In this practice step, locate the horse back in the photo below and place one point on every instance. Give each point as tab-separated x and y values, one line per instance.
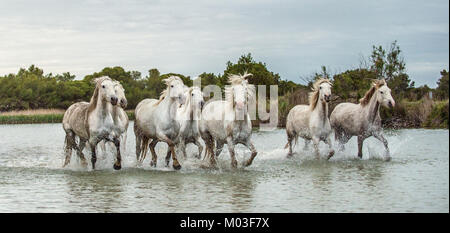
74	119
346	117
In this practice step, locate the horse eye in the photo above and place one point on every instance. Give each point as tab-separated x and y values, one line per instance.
381	92
171	85
103	86
192	94
320	87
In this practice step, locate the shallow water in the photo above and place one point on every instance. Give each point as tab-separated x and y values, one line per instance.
415	180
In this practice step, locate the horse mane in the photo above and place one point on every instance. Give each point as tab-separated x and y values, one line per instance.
314	95
167	81
376	84
238	79
98	81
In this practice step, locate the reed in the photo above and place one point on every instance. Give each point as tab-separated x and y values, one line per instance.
36	116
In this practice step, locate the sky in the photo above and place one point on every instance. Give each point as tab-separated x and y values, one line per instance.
294	38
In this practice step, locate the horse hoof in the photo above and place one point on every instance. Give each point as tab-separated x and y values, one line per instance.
153	164
387	159
117	167
330	155
176	167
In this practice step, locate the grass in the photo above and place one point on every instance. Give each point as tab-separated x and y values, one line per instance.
39	116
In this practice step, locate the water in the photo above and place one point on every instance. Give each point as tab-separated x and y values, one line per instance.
416	180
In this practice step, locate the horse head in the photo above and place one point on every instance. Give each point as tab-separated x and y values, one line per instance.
384	96
196	98
240	91
325	91
120	91
105	89
175	89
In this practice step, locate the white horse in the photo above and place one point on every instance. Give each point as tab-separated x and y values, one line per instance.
120	117
229	121
92	122
156	120
311	122
188	115
363	119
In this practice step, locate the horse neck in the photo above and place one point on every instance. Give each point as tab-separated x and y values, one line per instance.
321	110
188	111
100	108
117	113
372	108
168	106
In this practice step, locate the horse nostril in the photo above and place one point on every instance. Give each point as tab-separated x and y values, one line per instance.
390	104
114	100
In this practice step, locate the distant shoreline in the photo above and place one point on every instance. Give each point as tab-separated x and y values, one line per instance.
39	116
42	116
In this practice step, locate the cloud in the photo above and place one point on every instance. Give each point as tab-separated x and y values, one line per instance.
293	37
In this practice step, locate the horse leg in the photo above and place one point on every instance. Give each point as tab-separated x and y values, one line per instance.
209	142
200	148
341	138
360	145
175	164
152	149
80	152
69	141
118	163
183	147
230	145
316	142
93	143
289	143
138	147
143	148
330	147
219	148
252	148
169	153
379	136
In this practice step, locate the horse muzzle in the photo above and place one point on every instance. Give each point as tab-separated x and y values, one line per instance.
123	103
391	104
202	104
114	100
327	98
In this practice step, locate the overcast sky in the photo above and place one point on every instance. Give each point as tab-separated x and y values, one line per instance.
294	38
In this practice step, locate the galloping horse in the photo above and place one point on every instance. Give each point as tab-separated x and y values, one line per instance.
311	122
229	121
92	122
155	119
188	115
363	119
120	117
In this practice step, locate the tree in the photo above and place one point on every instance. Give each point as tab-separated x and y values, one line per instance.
443	86
391	66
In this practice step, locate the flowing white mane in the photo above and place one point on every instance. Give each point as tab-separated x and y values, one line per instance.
237	79
314	95
167	81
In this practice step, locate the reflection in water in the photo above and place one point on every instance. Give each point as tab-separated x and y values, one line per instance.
99	192
416	180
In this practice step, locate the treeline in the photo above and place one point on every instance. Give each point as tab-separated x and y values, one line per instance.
32	89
